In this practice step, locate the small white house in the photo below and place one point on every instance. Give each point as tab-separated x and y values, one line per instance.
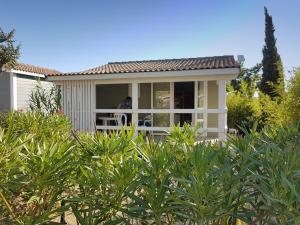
17	84
163	93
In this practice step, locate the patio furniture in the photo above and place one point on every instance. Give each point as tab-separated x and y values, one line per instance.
119	119
106	119
147	121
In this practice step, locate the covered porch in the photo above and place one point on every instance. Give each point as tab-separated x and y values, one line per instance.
158	105
160	94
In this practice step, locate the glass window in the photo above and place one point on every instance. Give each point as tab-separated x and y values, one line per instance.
161	120
184	95
212	94
117	94
182	118
145	119
161	95
145	96
201	94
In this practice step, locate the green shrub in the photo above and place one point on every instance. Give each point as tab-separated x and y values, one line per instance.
105	173
266	166
242	111
245	111
36	159
292	106
273	112
36	123
117	178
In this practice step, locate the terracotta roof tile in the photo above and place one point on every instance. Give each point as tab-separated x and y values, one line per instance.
214	62
36	69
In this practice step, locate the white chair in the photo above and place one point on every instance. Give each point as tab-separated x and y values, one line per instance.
233	131
118	118
148	119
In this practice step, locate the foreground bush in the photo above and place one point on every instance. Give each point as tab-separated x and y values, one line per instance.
118	178
20	123
36	161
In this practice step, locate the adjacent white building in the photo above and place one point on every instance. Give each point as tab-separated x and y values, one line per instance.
16	85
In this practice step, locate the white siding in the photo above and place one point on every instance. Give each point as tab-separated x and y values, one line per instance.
24	88
5	102
78	103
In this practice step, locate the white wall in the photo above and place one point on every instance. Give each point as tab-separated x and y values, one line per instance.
212	103
5	103
212	94
25	85
78	103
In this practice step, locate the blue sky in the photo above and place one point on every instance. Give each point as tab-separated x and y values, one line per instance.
76	35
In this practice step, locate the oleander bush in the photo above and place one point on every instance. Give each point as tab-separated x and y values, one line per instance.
45	100
49	171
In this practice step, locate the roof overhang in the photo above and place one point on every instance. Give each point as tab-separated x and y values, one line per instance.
229	73
28	73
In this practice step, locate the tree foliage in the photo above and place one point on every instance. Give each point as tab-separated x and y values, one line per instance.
272	82
244	109
9	53
293	97
249	78
262	98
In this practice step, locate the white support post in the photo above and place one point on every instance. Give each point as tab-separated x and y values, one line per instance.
222	123
135	95
93	105
195	115
171	103
205	107
152	104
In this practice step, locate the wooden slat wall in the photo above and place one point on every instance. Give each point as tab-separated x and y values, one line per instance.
78	103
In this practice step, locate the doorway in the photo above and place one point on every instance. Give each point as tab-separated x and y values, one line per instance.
184	98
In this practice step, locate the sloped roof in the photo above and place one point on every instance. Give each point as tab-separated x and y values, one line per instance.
214	62
36	69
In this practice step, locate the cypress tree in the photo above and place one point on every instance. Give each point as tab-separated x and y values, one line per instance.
272	82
